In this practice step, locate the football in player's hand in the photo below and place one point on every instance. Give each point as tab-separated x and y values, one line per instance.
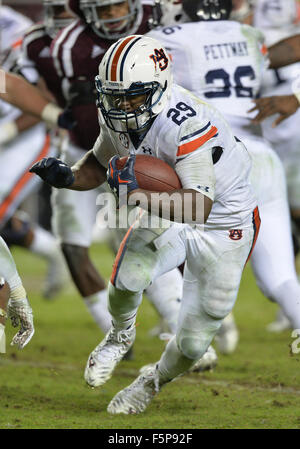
153	173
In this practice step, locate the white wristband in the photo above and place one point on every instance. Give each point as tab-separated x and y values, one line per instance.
18	293
50	114
297	95
8	131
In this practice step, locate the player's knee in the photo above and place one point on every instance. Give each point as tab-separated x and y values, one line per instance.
196	331
218	309
134	286
131	276
193	346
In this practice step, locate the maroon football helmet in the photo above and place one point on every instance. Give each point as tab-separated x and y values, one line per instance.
53	9
90	12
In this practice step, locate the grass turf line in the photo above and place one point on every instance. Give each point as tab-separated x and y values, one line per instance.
42	387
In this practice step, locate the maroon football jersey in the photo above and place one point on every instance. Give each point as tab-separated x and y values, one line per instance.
36	56
77	52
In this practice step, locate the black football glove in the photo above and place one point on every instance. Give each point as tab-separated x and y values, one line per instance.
125	177
66	120
54	172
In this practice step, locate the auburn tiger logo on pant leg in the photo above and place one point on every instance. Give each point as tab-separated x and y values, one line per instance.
235	234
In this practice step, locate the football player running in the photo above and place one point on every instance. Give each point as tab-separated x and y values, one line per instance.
227	70
30	99
99	23
139	101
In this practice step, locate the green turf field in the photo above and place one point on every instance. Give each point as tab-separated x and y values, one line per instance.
42	387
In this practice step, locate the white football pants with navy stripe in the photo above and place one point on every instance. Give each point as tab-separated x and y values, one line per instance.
213	270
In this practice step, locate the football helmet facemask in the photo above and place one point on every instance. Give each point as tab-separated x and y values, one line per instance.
168	12
108	28
134	83
52	10
198	10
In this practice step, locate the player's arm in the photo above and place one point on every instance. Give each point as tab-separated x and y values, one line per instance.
182	206
185	205
86	174
30	99
26	68
285	52
11	129
281	54
13	91
25	96
284	105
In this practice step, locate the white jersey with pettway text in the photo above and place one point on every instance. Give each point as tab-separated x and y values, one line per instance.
220	61
188	125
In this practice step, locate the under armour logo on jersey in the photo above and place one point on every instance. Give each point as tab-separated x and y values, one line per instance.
160	58
147	150
205	189
235	234
97	51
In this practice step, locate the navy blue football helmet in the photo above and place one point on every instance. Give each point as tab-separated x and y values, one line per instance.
198	10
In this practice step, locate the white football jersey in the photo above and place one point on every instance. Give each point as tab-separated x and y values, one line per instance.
222	62
186	125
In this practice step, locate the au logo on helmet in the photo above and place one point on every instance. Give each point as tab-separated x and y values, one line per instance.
159	57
